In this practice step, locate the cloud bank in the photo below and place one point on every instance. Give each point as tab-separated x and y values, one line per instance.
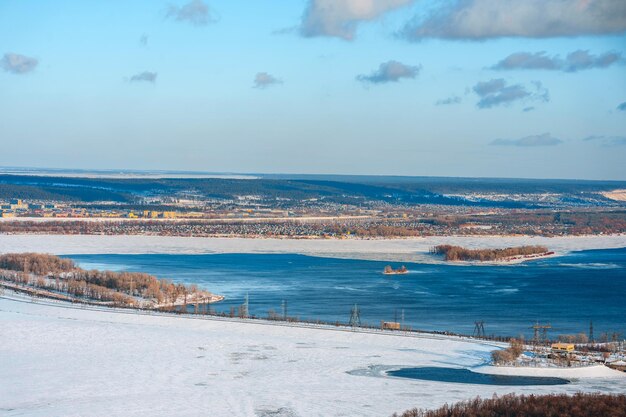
544	139
484	19
264	80
496	92
390	71
574	61
18	64
146	76
607	140
196	12
340	18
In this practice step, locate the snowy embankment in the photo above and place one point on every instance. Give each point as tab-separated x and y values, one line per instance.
60	360
400	250
593	371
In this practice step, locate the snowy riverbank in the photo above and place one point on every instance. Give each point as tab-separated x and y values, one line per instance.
60	360
397	250
593	371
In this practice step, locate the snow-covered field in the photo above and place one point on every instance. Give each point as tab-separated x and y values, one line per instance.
60	361
404	250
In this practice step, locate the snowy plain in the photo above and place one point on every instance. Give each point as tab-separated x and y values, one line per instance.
62	361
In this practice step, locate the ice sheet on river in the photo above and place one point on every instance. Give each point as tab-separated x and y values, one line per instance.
64	361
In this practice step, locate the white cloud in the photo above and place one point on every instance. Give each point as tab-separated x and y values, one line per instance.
544	139
573	62
496	92
483	19
448	101
144	76
391	71
264	80
196	12
339	18
607	140
17	64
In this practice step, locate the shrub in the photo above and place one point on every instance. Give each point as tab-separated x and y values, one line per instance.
553	405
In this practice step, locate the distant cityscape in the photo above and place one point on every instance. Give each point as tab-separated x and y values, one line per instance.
310	207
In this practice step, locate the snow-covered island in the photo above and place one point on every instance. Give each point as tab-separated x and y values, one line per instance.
452	253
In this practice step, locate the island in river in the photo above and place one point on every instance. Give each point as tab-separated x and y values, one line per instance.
390	271
458	253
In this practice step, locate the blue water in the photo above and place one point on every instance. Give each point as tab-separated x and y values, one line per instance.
464	376
567	292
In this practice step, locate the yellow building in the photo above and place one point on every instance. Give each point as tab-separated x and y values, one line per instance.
390	325
562	347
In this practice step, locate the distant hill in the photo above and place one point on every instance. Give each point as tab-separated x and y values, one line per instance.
335	189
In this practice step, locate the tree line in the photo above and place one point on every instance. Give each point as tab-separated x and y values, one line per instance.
57	274
551	405
458	253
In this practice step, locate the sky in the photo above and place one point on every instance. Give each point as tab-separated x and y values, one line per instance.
474	88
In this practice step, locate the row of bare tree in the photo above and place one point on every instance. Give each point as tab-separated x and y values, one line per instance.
62	275
551	405
458	253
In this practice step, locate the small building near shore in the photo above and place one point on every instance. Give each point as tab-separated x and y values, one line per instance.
390	325
562	347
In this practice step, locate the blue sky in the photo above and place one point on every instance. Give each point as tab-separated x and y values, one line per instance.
322	86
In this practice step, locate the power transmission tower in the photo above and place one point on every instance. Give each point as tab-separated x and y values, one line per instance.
591	331
543	328
355	316
479	329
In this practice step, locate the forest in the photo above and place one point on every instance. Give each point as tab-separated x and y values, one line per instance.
128	190
62	276
458	253
338	189
551	405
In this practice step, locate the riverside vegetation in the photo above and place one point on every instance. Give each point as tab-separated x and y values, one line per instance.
54	277
511	405
458	253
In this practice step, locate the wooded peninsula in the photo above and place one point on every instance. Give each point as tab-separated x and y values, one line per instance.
458	253
54	277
